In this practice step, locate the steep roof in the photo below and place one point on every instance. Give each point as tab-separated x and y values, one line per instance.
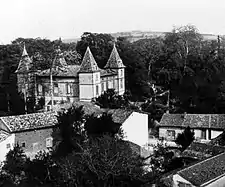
68	71
88	63
204	171
214	121
114	60
29	121
119	115
25	63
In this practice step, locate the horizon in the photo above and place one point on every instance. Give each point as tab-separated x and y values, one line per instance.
69	19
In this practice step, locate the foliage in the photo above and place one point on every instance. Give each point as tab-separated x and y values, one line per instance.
70	133
100	45
15	164
185	138
97	126
110	99
99	164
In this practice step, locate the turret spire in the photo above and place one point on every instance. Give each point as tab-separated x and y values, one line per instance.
114	60
88	63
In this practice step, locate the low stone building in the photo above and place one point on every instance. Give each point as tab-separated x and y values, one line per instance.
33	132
205	126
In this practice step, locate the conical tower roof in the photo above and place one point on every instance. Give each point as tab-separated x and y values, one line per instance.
114	60
25	64
88	63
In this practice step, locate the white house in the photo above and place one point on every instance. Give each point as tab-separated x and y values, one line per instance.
205	126
7	142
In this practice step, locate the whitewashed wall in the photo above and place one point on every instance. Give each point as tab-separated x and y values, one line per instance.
215	133
177	178
3	146
136	128
220	182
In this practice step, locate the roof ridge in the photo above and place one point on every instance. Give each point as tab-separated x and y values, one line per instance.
213	157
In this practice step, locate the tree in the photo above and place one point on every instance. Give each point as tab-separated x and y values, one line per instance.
185	138
69	134
100	45
15	164
110	99
103	162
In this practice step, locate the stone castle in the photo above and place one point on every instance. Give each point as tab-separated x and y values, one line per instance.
69	83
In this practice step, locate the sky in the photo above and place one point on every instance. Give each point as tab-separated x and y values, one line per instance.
52	19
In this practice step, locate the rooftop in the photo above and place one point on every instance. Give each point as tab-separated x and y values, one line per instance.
29	121
204	171
213	121
201	150
114	60
88	63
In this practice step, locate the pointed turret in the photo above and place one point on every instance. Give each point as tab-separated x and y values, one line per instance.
25	62
88	64
114	60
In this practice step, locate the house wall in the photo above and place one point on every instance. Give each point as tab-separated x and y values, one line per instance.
3	146
215	133
136	128
35	140
164	134
88	83
218	183
198	133
177	178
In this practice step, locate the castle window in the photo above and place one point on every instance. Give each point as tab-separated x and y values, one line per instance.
8	145
49	142
96	78
56	88
121	72
68	88
121	83
23	144
102	86
97	91
40	89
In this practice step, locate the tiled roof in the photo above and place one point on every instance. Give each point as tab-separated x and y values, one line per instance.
88	63
68	71
201	150
107	72
204	171
25	63
114	60
30	121
119	115
214	121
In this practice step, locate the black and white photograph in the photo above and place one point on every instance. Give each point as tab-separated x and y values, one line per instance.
122	93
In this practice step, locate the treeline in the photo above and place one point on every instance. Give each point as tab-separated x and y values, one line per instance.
182	62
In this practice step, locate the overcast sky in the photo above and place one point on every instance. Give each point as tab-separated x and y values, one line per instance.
70	18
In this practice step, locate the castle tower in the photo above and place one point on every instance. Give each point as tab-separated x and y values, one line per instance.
115	63
89	78
26	77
